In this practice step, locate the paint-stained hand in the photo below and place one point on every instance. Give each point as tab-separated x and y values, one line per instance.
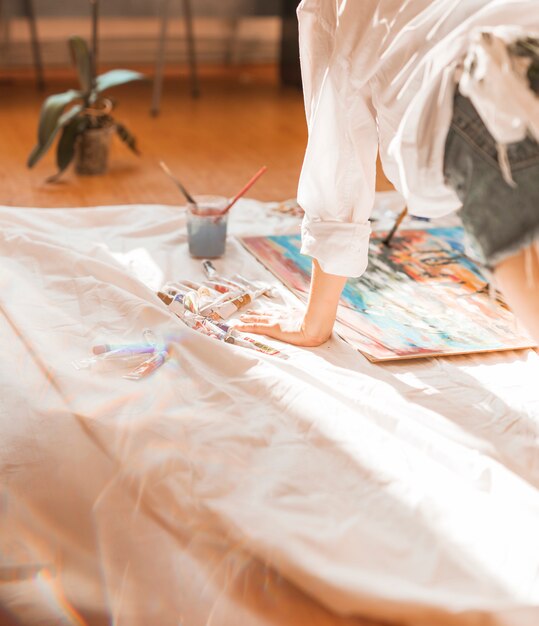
309	328
289	327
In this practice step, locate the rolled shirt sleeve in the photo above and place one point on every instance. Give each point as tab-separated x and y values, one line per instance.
341	248
337	182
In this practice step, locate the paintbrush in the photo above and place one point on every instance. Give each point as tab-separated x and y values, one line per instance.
244	190
187	195
398	222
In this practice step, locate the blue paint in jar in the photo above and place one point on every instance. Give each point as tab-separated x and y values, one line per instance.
206	230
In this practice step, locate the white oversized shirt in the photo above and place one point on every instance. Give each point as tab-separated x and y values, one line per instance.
379	75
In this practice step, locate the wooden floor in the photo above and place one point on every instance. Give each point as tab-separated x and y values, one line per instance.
243	120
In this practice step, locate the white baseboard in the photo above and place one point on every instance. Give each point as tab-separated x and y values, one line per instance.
132	41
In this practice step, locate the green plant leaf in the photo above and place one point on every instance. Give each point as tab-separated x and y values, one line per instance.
59	119
127	137
115	78
65	151
51	111
82	59
70	114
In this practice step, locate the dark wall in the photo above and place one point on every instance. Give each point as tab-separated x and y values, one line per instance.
151	7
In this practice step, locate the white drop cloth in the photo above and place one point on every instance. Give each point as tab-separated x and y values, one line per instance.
232	489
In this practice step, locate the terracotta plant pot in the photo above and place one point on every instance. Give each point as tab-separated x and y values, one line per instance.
92	151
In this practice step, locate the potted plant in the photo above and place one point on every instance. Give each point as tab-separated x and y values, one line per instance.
82	117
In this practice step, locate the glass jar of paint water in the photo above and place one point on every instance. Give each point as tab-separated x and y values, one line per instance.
206	227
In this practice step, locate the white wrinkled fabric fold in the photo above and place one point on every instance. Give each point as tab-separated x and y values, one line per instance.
497	85
382	75
230	488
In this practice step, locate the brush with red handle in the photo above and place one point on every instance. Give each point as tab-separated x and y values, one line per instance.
244	190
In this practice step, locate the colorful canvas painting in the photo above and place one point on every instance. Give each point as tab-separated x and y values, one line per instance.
420	297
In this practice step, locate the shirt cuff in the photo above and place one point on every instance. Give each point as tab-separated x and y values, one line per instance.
341	248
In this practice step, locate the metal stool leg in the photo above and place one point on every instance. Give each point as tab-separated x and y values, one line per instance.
232	52
160	60
4	31
5	36
188	15
36	51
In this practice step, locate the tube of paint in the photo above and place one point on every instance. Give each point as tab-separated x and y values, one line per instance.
224	310
213	275
174	303
261	347
237	280
191	302
148	367
226	333
181	294
99	363
189	285
196	295
226	297
255	285
180	302
205	294
125	353
221	287
236	339
207	327
214	330
209	270
231	284
244	343
127	349
174	288
203	325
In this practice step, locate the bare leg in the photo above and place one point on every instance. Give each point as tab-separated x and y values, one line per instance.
518	279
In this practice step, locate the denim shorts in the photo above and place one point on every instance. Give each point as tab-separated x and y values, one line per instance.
499	219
